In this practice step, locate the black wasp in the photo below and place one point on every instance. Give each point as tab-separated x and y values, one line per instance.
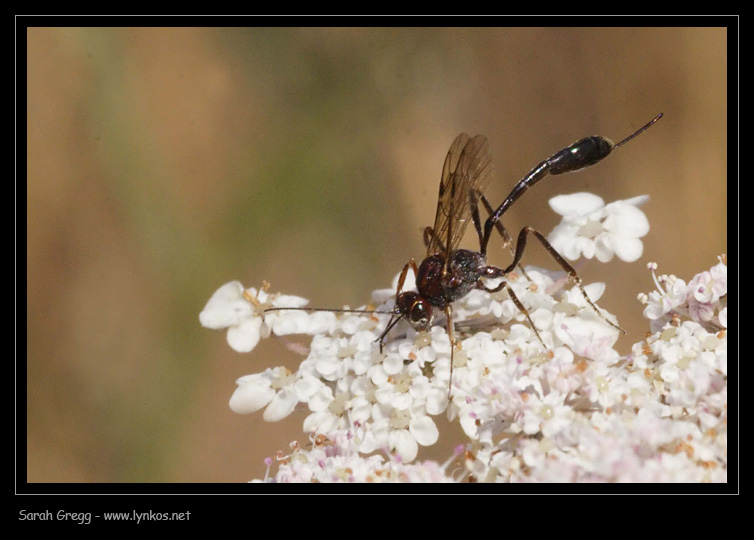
447	273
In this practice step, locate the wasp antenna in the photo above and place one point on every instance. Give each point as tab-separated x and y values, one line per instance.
332	310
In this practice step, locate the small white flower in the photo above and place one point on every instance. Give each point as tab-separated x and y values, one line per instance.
548	414
592	229
242	312
227	308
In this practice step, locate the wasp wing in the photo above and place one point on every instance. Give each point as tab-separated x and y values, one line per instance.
467	169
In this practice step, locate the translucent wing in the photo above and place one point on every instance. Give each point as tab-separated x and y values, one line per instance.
467	168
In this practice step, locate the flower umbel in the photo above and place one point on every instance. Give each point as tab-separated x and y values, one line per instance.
574	411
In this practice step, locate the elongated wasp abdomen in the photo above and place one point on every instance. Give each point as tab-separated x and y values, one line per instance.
575	157
588	151
580	155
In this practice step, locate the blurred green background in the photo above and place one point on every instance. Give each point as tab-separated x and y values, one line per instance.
164	162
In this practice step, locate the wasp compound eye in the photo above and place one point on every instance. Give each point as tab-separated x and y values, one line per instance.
420	314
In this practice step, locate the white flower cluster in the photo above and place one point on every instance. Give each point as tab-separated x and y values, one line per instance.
702	300
590	228
574	411
337	459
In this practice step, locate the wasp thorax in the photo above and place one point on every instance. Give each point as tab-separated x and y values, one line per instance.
466	267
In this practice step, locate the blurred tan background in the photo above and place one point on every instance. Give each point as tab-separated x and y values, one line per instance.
163	163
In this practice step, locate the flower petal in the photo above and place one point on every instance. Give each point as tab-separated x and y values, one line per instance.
405	444
424	430
281	406
628	249
626	220
251	396
576	204
245	336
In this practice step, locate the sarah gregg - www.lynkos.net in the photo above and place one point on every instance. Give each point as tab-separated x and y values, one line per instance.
85	518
